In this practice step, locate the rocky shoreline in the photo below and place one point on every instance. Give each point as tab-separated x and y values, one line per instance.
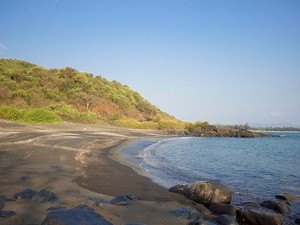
63	175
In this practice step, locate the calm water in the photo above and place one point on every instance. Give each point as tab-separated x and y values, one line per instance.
255	169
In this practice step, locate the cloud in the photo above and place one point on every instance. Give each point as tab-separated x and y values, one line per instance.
3	49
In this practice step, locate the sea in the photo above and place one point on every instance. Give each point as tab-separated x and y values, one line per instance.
255	169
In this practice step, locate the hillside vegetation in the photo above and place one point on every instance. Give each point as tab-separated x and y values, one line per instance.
31	93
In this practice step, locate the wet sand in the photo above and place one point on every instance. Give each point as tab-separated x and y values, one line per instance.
72	160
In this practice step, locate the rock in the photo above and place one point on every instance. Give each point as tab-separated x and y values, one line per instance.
180	189
202	209
45	196
297	221
204	192
220	208
287	197
6	214
132	197
227	220
279	207
188	213
55	208
249	204
79	215
120	200
25	194
256	217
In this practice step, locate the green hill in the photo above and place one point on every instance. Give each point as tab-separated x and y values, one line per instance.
32	93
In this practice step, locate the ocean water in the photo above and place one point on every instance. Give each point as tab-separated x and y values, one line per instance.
254	168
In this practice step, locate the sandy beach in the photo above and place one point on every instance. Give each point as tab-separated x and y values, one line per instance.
74	161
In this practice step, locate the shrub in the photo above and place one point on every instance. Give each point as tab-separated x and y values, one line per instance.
10	113
40	116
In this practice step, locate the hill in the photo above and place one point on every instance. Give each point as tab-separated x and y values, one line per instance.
69	95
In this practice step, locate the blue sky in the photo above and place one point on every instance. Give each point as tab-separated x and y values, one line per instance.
222	61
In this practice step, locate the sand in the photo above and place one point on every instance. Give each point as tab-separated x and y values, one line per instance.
73	161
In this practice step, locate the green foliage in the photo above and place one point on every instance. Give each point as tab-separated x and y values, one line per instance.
75	96
28	115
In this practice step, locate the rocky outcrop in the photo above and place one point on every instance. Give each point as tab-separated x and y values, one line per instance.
257	217
204	192
79	215
279	207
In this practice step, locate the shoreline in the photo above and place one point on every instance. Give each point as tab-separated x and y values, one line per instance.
73	161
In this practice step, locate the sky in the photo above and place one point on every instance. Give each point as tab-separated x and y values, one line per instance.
226	62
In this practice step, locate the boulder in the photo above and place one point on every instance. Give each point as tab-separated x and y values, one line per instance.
257	217
204	192
120	200
202	209
279	207
288	197
220	208
180	189
25	194
6	214
227	220
45	196
79	215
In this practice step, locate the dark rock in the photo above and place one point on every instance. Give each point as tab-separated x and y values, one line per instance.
220	208
256	217
25	194
204	192
180	189
78	215
6	214
287	197
55	208
120	200
202	209
249	204
227	220
297	221
279	207
45	196
188	213
132	197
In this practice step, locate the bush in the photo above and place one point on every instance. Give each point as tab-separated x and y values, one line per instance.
66	112
131	123
28	115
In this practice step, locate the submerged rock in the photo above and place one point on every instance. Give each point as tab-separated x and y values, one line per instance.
79	215
6	214
204	192
220	208
279	207
25	194
45	196
288	197
257	217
